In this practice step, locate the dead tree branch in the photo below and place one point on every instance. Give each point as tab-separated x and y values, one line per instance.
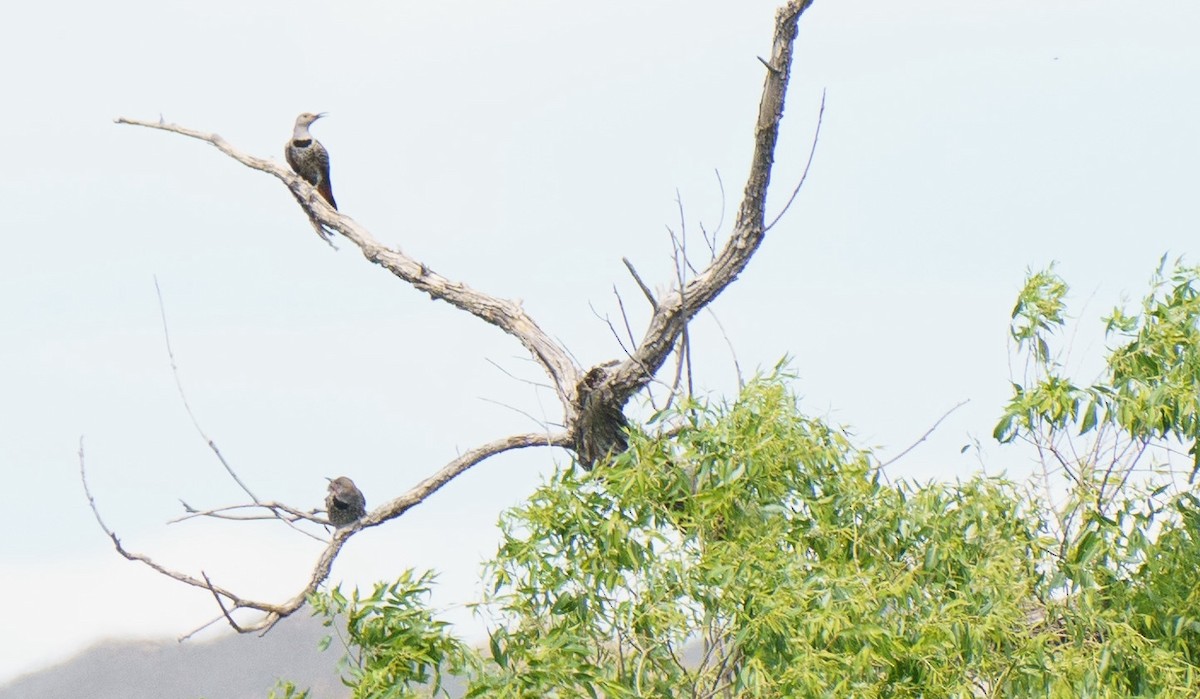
504	314
592	400
272	613
924	437
812	152
674	309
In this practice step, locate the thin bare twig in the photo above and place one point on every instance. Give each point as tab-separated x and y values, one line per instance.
146	560
611	328
272	613
729	343
212	445
682	264
198	629
711	241
541	423
291	514
804	175
511	375
641	284
633	343
220	603
624	316
925	436
162	310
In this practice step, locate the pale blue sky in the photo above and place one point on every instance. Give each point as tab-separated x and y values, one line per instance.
523	147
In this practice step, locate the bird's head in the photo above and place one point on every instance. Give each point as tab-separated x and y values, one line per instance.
340	484
307	118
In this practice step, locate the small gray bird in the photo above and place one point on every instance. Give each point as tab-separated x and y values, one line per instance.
308	157
345	503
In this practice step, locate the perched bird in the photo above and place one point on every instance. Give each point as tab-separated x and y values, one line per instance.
345	502
309	158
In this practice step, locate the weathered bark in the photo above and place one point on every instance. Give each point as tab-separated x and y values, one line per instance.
592	401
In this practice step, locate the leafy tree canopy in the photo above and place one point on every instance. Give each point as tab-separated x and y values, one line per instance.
744	549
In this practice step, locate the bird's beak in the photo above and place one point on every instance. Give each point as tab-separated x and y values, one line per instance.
328	479
319	115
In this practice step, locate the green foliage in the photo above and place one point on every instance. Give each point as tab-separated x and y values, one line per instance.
748	550
287	690
1152	385
1039	311
1124	569
1155	375
402	650
765	543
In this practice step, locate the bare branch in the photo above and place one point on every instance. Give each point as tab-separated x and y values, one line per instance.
511	375
672	313
804	175
418	493
641	284
925	436
611	328
624	316
506	315
198	629
593	400
711	241
278	511
515	409
729	343
221	604
162	311
390	510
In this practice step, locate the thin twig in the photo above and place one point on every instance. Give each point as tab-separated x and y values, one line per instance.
729	343
641	284
541	423
624	316
925	436
518	378
162	310
712	241
212	445
804	175
633	343
198	629
611	328
292	515
221	604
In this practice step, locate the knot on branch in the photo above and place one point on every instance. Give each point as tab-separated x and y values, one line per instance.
600	425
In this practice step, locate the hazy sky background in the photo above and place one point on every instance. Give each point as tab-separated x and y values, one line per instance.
523	147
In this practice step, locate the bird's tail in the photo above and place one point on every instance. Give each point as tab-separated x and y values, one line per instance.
326	191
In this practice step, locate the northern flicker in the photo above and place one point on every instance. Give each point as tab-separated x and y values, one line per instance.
309	158
345	503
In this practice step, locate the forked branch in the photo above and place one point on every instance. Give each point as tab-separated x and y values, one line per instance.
592	400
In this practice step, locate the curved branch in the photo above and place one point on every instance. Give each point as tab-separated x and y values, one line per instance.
452	470
506	315
390	510
400	505
676	307
592	401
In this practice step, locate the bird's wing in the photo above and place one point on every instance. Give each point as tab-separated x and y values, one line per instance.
324	187
291	159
